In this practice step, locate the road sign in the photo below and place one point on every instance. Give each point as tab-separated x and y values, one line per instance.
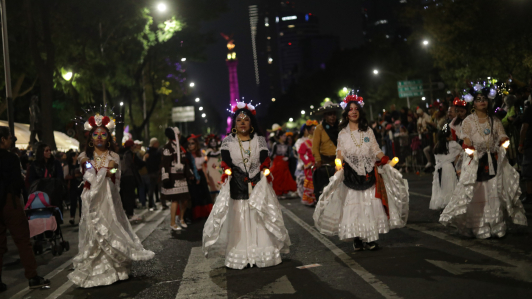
411	88
183	114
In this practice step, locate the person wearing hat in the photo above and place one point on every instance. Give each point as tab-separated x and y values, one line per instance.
153	159
324	146
175	170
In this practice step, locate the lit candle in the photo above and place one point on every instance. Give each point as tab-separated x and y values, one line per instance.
228	171
266	172
394	161
506	144
469	151
338	163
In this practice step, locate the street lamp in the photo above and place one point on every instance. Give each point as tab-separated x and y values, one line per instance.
311	106
376	72
183	59
121	104
200	108
197	100
192	84
203	115
67	76
161	7
425	43
302	112
273	99
423	98
345	89
291	119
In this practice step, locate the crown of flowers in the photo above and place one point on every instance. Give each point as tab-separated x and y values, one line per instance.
311	122
488	89
242	105
99	119
459	102
352	97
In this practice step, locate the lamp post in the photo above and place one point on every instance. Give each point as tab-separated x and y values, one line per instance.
7	70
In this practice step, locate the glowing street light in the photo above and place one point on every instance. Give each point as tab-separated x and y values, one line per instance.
197	100
161	7
183	59
327	99
302	112
291	119
425	43
121	103
345	89
67	76
200	108
423	98
376	72
192	84
311	106
273	99
203	115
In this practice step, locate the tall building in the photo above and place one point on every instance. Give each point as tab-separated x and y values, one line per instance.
381	20
286	46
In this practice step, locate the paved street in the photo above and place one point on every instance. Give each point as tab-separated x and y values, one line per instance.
423	260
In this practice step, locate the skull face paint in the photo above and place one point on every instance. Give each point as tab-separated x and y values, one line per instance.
99	137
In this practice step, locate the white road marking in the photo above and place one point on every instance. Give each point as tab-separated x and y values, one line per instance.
378	285
517	273
202	278
279	286
419	194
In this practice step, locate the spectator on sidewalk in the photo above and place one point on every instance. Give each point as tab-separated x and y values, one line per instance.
525	148
130	179
12	214
144	184
424	123
73	178
153	160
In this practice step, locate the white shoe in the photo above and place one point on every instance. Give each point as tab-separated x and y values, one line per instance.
183	224
428	165
175	228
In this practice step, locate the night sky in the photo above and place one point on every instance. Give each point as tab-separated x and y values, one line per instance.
336	17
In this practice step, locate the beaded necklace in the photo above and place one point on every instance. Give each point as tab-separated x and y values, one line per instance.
100	161
354	139
486	131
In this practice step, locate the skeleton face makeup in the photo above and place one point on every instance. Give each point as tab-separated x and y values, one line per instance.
99	137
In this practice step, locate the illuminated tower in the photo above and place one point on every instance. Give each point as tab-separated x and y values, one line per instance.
232	63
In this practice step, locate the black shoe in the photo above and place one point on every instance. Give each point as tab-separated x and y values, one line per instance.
38	282
357	244
3	286
71	221
371	246
527	199
165	208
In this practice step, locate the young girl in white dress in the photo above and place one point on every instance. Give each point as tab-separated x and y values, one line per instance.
488	190
446	153
107	243
361	200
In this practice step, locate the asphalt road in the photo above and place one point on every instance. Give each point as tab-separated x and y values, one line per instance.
423	260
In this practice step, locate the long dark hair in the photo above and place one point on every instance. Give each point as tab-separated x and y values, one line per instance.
362	120
110	145
489	111
197	152
441	147
4	132
253	119
39	156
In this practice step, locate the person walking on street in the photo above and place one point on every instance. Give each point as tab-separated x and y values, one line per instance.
12	216
130	180
73	177
153	158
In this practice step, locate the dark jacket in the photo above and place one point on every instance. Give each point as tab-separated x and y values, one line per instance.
11	181
153	163
51	169
131	165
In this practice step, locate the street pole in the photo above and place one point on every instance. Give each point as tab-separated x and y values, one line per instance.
144	113
7	70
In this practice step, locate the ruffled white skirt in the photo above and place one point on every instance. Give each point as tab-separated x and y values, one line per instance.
442	191
246	231
107	243
478	209
352	213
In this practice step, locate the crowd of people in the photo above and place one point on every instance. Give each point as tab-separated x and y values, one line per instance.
347	169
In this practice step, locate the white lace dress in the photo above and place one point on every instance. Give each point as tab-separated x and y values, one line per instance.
351	213
300	173
249	231
442	189
478	208
107	243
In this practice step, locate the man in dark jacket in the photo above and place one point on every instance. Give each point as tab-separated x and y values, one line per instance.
130	178
12	214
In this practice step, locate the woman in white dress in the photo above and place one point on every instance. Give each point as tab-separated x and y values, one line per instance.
107	244
246	225
361	200
488	187
446	153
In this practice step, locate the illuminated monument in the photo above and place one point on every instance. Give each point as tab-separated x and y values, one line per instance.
231	62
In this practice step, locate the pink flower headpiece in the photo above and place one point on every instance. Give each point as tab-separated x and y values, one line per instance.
352	97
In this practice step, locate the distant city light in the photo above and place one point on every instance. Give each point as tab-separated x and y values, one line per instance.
273	99
203	115
302	112
161	7
448	92
288	18
344	89
327	100
425	42
291	119
197	100
200	108
183	59
68	76
192	84
270	60
376	72
121	103
423	98
311	106
291	26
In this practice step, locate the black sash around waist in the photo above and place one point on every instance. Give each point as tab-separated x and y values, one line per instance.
358	182
483	171
239	183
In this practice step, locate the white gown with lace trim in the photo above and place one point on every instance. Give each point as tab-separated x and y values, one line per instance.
107	243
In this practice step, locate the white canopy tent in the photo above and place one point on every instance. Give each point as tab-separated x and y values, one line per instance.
62	141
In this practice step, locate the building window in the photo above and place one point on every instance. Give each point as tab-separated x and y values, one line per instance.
270	60
281	34
381	22
266	22
269	37
291	26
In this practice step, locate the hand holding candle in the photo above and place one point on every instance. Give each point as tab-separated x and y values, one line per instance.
228	171
266	172
393	161
469	151
506	144
338	163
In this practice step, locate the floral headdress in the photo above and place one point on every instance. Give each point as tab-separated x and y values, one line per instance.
242	105
457	102
311	123
352	97
210	137
100	119
489	89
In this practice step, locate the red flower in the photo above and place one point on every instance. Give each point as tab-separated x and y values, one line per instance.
105	120
92	122
254	112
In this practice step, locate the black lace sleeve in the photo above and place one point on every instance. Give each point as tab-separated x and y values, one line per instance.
263	156
226	157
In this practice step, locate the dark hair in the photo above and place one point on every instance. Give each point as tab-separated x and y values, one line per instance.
489	112
362	120
169	133
70	159
253	119
441	147
4	132
110	145
197	152
303	128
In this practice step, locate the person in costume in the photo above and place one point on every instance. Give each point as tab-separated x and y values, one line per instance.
107	243
283	183
362	200
305	155
176	168
246	224
460	108
199	189
324	144
214	161
487	189
306	133
446	152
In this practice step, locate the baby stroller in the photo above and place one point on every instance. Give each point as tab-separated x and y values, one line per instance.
43	220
